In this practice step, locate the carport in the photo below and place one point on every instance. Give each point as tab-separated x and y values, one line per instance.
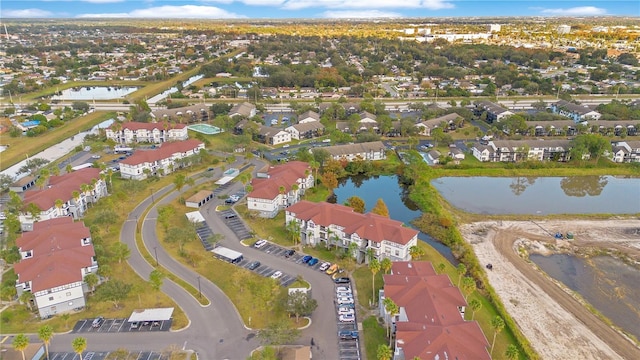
151	315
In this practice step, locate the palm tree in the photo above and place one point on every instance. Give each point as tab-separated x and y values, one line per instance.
468	286
26	298
385	265
512	352
497	324
79	345
416	252
475	305
68	168
374	266
384	352
45	333
461	269
441	267
392	308
91	280
58	204
20	343
315	166
293	228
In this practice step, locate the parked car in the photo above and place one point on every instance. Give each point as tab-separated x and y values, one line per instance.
332	269
289	253
345	300
348	334
97	322
324	266
307	258
253	265
343	289
95	156
312	262
135	324
347	318
346	310
344	294
342	280
276	275
230	216
260	243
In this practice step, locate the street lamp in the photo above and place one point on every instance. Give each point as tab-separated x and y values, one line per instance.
155	250
199	289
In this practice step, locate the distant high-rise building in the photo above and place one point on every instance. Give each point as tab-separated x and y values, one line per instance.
563	29
493	28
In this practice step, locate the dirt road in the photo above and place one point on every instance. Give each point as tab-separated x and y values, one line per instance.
557	324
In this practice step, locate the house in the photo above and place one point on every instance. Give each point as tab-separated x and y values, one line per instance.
305	130
245	109
273	136
198	199
626	151
186	114
339	225
578	113
308	116
54	259
494	111
374	150
280	187
553	128
444	122
521	150
455	153
23	184
65	195
139	132
161	161
430	323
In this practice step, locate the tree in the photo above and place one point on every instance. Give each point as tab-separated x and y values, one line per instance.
512	352
384	352
392	309
468	286
180	181
91	280
120	251
475	305
329	179
356	203
114	291
5	181
593	144
497	324
380	208
278	333
155	280
20	343
416	252
461	269
385	265
106	217
293	229
26	298
301	304
374	266
79	345
45	333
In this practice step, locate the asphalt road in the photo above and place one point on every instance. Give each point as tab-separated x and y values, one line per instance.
215	331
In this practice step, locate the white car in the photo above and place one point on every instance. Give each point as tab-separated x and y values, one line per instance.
345	311
343	289
324	266
260	243
347	318
276	275
345	300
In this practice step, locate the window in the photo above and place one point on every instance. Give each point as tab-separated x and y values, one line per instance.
50	298
68	293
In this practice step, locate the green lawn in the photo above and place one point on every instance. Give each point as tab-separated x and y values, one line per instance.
374	335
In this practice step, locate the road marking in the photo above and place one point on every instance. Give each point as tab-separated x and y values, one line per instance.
4	339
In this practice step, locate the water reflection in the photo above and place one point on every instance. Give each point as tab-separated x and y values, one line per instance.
520	184
583	185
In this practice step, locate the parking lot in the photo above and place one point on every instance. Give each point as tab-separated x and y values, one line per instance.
90	355
119	325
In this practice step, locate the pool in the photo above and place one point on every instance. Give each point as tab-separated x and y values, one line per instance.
205	129
30	123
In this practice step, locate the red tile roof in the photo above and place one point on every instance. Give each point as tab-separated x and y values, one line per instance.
61	187
285	175
58	254
435	326
165	151
133	126
368	226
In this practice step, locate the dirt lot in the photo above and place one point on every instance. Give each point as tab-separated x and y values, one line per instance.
556	323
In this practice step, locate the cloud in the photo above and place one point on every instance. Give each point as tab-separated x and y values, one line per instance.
369	4
173	12
102	1
355	14
248	2
575	11
27	13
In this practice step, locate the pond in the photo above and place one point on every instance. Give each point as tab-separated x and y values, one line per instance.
395	196
94	93
542	195
607	283
173	89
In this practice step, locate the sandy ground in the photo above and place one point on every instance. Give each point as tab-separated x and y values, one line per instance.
556	323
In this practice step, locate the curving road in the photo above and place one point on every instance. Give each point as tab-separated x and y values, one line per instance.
215	331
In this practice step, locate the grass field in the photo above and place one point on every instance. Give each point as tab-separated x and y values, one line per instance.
21	147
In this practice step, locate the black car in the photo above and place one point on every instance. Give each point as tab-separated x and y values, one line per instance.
342	280
289	253
253	265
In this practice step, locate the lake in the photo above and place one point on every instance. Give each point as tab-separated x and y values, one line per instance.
607	283
95	93
542	195
395	196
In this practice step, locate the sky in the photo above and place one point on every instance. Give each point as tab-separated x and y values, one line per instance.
278	9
